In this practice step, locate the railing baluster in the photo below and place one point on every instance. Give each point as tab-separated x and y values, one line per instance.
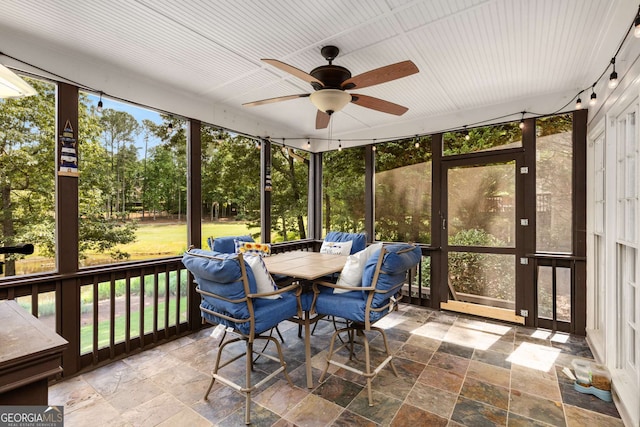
167	296
34	300
96	324
178	297
127	299
155	304
112	315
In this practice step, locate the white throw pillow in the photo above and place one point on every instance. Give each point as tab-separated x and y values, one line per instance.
336	248
264	281
351	274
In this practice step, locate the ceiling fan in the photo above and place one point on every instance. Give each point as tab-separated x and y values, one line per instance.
331	82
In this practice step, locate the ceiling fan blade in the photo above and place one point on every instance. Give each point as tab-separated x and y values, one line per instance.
276	99
293	71
381	75
378	104
322	120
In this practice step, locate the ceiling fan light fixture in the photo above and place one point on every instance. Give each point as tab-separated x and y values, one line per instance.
330	100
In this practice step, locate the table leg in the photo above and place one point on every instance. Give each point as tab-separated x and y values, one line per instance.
307	349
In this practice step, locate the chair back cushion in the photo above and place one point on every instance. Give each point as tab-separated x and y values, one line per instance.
351	274
398	259
226	244
220	274
359	239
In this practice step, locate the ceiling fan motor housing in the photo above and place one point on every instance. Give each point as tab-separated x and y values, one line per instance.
331	76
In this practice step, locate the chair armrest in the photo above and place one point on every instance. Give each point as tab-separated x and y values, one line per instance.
331	285
279	291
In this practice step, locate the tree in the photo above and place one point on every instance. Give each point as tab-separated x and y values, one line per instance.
98	230
119	131
290	177
27	143
343	190
27	176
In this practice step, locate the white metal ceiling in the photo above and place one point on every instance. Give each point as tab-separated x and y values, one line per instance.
478	59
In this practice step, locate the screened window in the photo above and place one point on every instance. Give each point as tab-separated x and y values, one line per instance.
554	183
486	138
230	184
289	195
403	191
343	190
132	184
27	179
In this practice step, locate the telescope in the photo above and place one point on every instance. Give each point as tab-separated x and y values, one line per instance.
24	249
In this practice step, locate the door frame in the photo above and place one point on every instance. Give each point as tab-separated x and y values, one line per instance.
518	250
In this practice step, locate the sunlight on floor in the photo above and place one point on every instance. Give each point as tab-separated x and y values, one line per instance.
390	321
534	356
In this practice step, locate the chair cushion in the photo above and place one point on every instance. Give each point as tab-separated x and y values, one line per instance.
268	313
336	248
398	259
359	239
351	274
226	244
348	305
264	281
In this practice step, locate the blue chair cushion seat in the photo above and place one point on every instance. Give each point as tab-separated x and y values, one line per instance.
349	305
268	312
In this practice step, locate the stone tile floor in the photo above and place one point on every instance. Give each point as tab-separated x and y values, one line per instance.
453	370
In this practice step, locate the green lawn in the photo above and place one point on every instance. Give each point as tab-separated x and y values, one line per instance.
170	238
153	240
86	332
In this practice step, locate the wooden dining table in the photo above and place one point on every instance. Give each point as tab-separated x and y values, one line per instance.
305	266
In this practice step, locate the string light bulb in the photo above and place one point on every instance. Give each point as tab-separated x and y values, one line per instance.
466	133
593	99
374	145
100	104
521	125
613	77
578	104
417	142
170	128
339	145
308	143
636	25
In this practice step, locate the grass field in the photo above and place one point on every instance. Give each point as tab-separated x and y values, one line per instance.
170	238
153	240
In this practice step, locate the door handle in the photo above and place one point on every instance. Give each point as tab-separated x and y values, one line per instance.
444	223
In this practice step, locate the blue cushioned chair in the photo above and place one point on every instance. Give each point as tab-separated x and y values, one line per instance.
227	288
359	239
384	274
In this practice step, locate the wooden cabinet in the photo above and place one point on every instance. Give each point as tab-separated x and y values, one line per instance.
30	354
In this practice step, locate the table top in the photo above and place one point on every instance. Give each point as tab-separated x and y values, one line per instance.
304	264
24	337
